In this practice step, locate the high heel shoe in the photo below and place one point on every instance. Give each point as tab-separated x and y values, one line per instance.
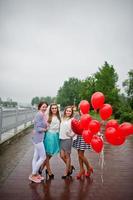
88	173
51	176
80	174
72	169
66	176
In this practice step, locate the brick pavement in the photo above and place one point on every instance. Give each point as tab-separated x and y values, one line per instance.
114	181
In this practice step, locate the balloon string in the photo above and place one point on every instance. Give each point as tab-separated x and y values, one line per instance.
101	159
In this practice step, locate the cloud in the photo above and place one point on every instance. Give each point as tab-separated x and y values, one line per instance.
43	43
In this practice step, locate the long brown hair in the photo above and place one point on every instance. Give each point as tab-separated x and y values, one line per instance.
64	116
50	114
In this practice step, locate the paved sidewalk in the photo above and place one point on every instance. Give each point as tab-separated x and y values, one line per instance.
114	181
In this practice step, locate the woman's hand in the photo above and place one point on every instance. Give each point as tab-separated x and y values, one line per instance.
45	129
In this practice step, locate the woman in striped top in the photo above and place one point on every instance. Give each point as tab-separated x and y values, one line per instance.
80	145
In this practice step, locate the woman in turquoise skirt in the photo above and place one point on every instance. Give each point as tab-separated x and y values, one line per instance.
51	140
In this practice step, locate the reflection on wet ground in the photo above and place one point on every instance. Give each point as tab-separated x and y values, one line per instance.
113	180
66	191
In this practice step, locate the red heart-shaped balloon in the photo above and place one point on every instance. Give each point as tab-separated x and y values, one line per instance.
76	126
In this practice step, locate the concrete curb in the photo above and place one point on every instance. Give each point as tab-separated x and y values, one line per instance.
5	143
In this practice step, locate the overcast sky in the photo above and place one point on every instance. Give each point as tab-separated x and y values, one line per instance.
45	42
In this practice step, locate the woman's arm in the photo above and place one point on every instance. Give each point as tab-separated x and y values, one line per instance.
70	133
40	125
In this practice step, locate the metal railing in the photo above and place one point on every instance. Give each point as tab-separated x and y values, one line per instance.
13	118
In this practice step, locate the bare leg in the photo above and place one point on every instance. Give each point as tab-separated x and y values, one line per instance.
48	164
68	163
81	164
84	159
65	159
43	165
63	156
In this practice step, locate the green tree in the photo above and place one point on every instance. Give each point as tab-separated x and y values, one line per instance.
48	99
124	112
106	79
128	85
68	94
9	103
35	101
87	88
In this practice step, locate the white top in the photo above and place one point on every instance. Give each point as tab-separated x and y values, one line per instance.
66	130
54	126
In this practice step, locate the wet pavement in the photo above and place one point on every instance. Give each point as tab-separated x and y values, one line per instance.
113	180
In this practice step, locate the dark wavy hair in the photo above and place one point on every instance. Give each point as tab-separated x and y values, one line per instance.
41	103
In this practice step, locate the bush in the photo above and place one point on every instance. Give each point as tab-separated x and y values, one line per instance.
126	117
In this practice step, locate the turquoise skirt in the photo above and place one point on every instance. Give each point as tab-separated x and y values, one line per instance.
52	143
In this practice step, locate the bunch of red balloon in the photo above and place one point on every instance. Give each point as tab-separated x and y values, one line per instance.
89	128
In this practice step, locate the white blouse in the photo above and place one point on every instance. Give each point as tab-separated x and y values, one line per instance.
65	129
54	126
